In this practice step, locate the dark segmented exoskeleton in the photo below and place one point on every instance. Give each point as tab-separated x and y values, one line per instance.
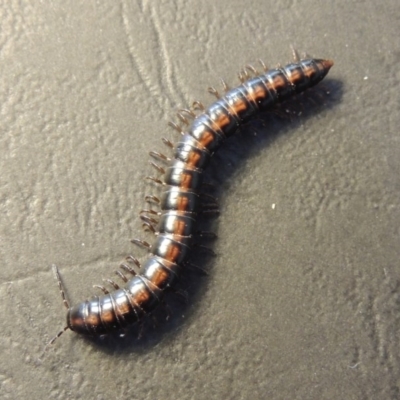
179	204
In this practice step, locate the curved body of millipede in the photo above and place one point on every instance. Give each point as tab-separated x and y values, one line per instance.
179	204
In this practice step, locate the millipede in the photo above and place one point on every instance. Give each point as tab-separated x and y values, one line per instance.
202	131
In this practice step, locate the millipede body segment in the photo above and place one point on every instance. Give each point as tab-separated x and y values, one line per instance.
179	205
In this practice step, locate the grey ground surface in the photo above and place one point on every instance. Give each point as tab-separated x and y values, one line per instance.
303	298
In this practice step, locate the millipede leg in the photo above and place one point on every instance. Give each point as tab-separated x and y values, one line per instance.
159	156
206	235
129	269
112	283
198	105
214	92
263	65
102	288
157	167
122	276
250	68
152	212
148	227
152	199
210	207
243	76
188	112
209	196
134	260
167	142
141	243
210	212
194	266
182	118
176	127
205	249
295	53
146	218
225	86
155	180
